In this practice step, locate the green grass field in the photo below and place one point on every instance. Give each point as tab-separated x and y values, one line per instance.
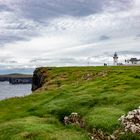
99	94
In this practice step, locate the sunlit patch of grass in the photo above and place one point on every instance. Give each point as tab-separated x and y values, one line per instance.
104	117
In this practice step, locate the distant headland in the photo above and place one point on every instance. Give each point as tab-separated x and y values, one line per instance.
16	78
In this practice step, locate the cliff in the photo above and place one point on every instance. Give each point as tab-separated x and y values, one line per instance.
38	79
53	77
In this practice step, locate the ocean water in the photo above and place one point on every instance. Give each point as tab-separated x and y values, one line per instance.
8	90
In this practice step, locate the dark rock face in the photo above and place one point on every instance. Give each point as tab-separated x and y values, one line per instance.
38	79
26	80
4	78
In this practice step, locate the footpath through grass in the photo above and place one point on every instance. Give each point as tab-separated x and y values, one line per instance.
99	94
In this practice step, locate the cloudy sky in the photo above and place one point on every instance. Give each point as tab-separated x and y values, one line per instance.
67	32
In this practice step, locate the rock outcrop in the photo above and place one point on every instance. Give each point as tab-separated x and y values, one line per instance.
38	78
131	121
74	119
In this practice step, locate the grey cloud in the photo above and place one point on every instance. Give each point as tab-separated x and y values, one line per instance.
134	53
62	60
34	60
138	35
8	61
121	4
4	39
57	8
42	11
20	26
69	60
57	61
15	29
47	9
4	7
104	37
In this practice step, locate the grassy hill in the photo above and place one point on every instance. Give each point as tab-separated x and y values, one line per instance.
100	95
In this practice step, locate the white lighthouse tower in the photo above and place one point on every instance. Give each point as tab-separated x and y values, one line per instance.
115	59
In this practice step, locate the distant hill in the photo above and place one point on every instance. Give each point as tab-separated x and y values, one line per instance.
6	77
16	78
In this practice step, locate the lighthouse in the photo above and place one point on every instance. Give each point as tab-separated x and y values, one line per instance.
115	59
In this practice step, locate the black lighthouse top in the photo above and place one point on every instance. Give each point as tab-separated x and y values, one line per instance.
115	55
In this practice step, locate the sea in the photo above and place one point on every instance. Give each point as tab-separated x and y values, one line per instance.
8	90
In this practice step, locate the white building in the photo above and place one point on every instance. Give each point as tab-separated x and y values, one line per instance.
115	59
132	61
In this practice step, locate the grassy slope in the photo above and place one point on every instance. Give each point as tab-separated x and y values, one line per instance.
99	94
